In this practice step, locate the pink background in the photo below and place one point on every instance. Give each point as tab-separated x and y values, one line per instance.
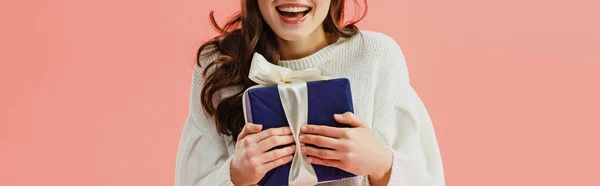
96	92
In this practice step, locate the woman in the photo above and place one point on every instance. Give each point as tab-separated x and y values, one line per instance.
391	140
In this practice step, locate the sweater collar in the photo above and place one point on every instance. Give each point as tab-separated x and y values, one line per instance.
313	60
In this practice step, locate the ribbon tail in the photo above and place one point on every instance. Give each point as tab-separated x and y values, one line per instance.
294	99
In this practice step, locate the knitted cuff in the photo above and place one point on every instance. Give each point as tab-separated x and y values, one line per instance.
223	176
407	172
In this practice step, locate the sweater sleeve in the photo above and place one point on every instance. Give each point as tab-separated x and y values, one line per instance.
402	122
202	158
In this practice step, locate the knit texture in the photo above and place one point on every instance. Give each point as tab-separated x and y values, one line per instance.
382	97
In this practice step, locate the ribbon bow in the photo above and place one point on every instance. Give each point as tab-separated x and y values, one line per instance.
293	93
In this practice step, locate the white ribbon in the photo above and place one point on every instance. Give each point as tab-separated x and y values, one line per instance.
294	99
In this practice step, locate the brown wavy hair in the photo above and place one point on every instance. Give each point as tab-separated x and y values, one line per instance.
245	33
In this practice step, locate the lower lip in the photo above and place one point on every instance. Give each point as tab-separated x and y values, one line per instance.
293	20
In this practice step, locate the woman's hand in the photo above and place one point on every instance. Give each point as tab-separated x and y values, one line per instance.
355	150
252	158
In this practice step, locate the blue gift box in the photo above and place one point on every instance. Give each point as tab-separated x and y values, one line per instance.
325	98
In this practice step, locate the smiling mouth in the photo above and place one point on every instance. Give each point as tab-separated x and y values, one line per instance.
293	11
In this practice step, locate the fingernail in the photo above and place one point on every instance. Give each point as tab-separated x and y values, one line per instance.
256	126
339	116
303	148
303	128
301	137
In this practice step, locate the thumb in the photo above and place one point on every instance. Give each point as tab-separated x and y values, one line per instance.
249	128
348	118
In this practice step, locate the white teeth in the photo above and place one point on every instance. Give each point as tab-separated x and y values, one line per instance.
293	9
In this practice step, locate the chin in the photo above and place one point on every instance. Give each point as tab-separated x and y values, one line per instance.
294	20
292	35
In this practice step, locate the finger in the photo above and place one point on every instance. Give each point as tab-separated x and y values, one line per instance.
276	163
278	153
321	130
349	118
321	153
274	141
325	162
321	141
280	131
249	128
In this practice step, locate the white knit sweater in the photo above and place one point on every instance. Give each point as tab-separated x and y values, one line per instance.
382	97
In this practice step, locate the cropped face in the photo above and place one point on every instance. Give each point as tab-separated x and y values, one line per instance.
293	20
